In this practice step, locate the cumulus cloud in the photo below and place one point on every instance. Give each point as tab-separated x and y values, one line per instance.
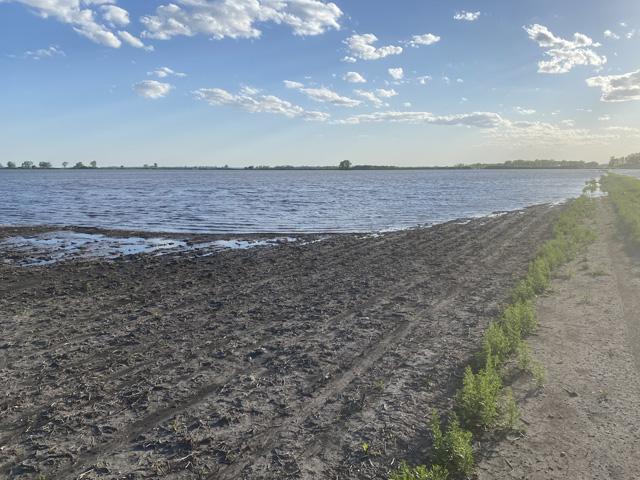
354	77
220	19
164	72
475	119
52	51
423	80
466	16
323	95
426	39
252	100
152	89
361	47
80	14
396	73
115	15
564	54
618	88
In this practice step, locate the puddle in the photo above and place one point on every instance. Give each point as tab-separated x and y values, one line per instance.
53	247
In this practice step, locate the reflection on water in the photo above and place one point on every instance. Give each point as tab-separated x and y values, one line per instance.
273	201
52	247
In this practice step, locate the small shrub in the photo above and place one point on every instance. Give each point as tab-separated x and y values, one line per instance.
478	398
524	357
510	410
495	344
539	374
405	472
453	449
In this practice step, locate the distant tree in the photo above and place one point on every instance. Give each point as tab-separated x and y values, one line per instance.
155	165
26	164
65	164
93	164
1	166
44	165
79	165
345	165
11	165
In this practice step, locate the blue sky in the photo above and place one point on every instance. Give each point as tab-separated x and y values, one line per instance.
251	82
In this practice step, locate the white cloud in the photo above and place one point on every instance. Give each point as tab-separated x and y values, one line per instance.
238	18
52	51
371	97
251	100
424	79
610	34
152	89
564	54
349	59
134	41
475	119
459	80
115	15
294	85
618	88
396	73
164	72
524	111
381	92
323	95
406	104
524	133
354	77
361	46
78	14
426	39
376	97
466	16
605	118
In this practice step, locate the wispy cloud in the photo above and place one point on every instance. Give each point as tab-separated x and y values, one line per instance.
52	51
252	100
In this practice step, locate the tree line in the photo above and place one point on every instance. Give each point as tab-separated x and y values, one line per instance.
630	161
28	165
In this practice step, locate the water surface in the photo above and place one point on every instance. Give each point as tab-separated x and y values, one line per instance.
219	201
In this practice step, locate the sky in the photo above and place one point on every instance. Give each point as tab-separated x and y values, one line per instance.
311	82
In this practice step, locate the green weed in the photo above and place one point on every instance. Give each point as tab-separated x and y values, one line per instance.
405	472
452	449
478	398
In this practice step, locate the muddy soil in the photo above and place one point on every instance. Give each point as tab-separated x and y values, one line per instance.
584	424
274	363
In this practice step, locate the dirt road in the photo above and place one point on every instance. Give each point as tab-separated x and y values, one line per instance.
267	364
585	424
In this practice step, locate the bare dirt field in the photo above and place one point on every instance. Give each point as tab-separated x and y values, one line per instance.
585	423
274	363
